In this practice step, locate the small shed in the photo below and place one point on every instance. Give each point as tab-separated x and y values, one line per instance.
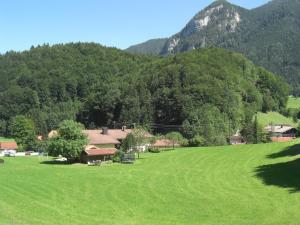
92	153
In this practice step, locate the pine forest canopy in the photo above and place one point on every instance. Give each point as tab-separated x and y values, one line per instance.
100	86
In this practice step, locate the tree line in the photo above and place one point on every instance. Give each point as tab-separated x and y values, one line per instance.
210	92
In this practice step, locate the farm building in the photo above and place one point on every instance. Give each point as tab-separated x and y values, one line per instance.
93	153
281	133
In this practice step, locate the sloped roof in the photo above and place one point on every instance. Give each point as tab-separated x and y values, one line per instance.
119	133
122	134
279	128
97	138
8	145
165	143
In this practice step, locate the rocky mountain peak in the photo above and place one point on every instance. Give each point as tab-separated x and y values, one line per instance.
221	14
219	17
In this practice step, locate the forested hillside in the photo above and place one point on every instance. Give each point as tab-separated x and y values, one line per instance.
267	35
151	47
208	93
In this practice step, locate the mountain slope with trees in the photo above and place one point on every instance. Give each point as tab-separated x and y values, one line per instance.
207	94
267	35
151	47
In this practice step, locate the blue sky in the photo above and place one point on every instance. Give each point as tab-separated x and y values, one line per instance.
118	23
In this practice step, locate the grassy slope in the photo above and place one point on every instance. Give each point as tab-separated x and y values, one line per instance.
2	139
293	103
208	186
274	117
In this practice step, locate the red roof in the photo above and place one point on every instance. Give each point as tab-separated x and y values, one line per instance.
96	138
121	134
101	151
8	145
165	143
118	133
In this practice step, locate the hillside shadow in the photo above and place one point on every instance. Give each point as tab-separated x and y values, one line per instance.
289	151
284	175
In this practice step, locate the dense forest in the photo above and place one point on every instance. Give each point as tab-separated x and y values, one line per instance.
206	94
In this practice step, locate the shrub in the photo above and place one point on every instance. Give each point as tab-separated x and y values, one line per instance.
154	150
118	156
197	141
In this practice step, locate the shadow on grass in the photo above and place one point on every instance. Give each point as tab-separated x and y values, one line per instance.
289	151
53	162
285	175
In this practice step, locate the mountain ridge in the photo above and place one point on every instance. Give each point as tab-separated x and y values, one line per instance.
268	35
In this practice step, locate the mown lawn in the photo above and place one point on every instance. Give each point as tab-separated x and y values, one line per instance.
266	119
234	185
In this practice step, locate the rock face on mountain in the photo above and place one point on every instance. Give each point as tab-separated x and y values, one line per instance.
209	27
268	35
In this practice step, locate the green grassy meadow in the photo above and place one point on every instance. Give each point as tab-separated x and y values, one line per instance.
293	103
266	119
242	185
2	139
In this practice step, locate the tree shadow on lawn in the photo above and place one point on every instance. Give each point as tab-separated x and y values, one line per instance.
285	175
289	151
53	162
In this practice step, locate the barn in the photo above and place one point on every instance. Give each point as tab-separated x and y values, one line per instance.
93	153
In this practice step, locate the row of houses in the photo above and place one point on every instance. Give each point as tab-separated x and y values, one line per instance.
277	133
104	143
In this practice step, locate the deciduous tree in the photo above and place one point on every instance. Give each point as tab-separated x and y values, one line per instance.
69	142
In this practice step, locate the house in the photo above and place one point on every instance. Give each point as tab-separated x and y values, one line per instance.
101	138
93	153
105	138
121	134
8	145
8	148
281	132
103	143
237	139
